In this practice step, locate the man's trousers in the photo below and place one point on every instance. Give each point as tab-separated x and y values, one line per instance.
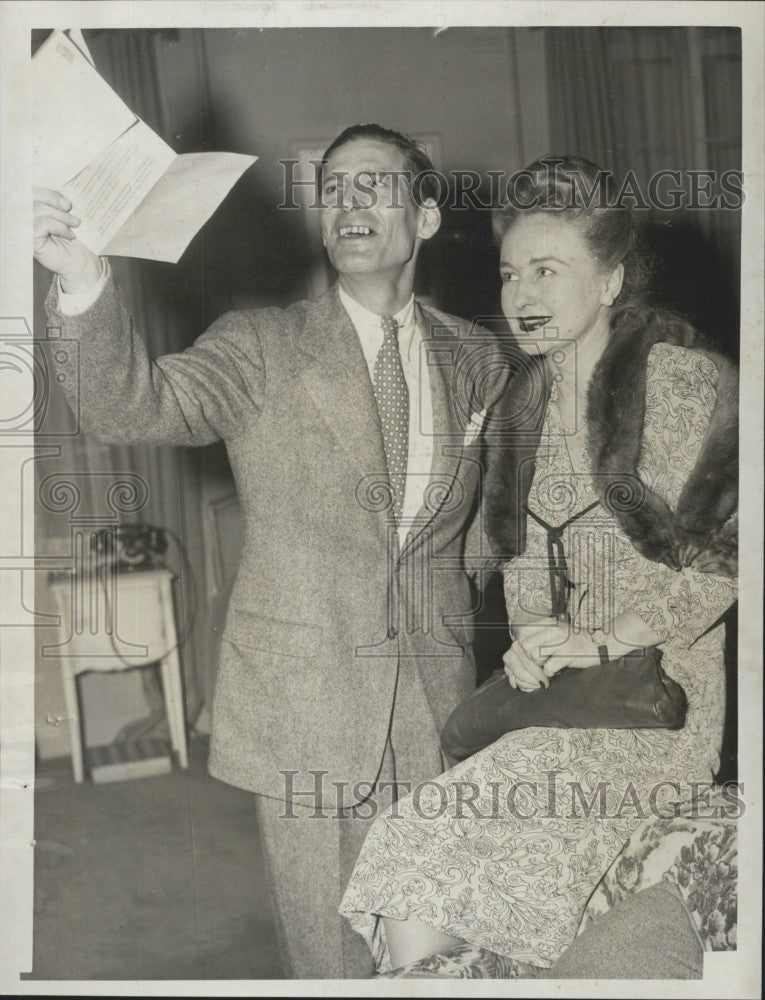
309	856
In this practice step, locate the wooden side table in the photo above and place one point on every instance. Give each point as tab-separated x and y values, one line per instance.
116	621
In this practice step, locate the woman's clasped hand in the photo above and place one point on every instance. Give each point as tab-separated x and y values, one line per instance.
541	647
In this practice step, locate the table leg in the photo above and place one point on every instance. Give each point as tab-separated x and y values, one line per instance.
176	716
73	713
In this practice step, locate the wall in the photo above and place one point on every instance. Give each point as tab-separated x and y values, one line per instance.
272	92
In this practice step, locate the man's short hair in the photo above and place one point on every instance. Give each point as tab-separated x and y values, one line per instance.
417	163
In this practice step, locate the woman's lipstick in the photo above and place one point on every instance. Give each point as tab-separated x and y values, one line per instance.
530	323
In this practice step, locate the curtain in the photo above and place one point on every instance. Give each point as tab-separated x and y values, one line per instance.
652	99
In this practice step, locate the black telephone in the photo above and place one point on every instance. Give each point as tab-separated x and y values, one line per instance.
130	546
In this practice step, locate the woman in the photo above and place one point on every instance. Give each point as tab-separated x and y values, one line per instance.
635	454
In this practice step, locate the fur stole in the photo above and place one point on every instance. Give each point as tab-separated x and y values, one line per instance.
700	532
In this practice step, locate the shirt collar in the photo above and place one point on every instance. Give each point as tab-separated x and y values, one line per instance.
369	328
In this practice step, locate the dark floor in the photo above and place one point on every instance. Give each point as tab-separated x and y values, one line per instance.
151	878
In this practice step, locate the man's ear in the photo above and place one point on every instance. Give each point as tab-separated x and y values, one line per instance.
613	285
429	219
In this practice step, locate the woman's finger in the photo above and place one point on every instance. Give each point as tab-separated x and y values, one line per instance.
577	661
539	644
554	664
528	673
528	663
521	683
528	686
511	678
536	644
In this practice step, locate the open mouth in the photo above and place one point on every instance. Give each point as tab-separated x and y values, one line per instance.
354	232
530	323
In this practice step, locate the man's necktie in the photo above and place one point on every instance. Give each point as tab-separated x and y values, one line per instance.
392	398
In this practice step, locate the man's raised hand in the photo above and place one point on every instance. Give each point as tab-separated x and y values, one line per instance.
56	246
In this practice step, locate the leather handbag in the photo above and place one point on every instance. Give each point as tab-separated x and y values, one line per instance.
633	692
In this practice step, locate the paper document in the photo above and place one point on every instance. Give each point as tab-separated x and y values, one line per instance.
134	195
75	34
76	112
177	206
106	192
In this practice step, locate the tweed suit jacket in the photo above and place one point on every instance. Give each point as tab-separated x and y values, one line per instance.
325	606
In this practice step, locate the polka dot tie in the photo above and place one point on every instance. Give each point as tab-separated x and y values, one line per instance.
392	398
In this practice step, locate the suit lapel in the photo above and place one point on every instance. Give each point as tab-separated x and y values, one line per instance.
333	370
334	373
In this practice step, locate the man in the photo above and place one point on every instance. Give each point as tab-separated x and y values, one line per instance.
353	430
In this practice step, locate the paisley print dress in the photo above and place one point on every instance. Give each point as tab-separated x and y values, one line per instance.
504	850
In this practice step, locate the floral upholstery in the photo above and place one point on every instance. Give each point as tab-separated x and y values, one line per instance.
467	961
697	852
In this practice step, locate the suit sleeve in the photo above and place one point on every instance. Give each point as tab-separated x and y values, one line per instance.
493	371
679	606
210	391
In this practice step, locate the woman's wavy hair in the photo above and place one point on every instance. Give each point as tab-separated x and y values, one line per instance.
586	193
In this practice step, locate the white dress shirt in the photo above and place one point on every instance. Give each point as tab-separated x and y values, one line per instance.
74	303
414	362
369	329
